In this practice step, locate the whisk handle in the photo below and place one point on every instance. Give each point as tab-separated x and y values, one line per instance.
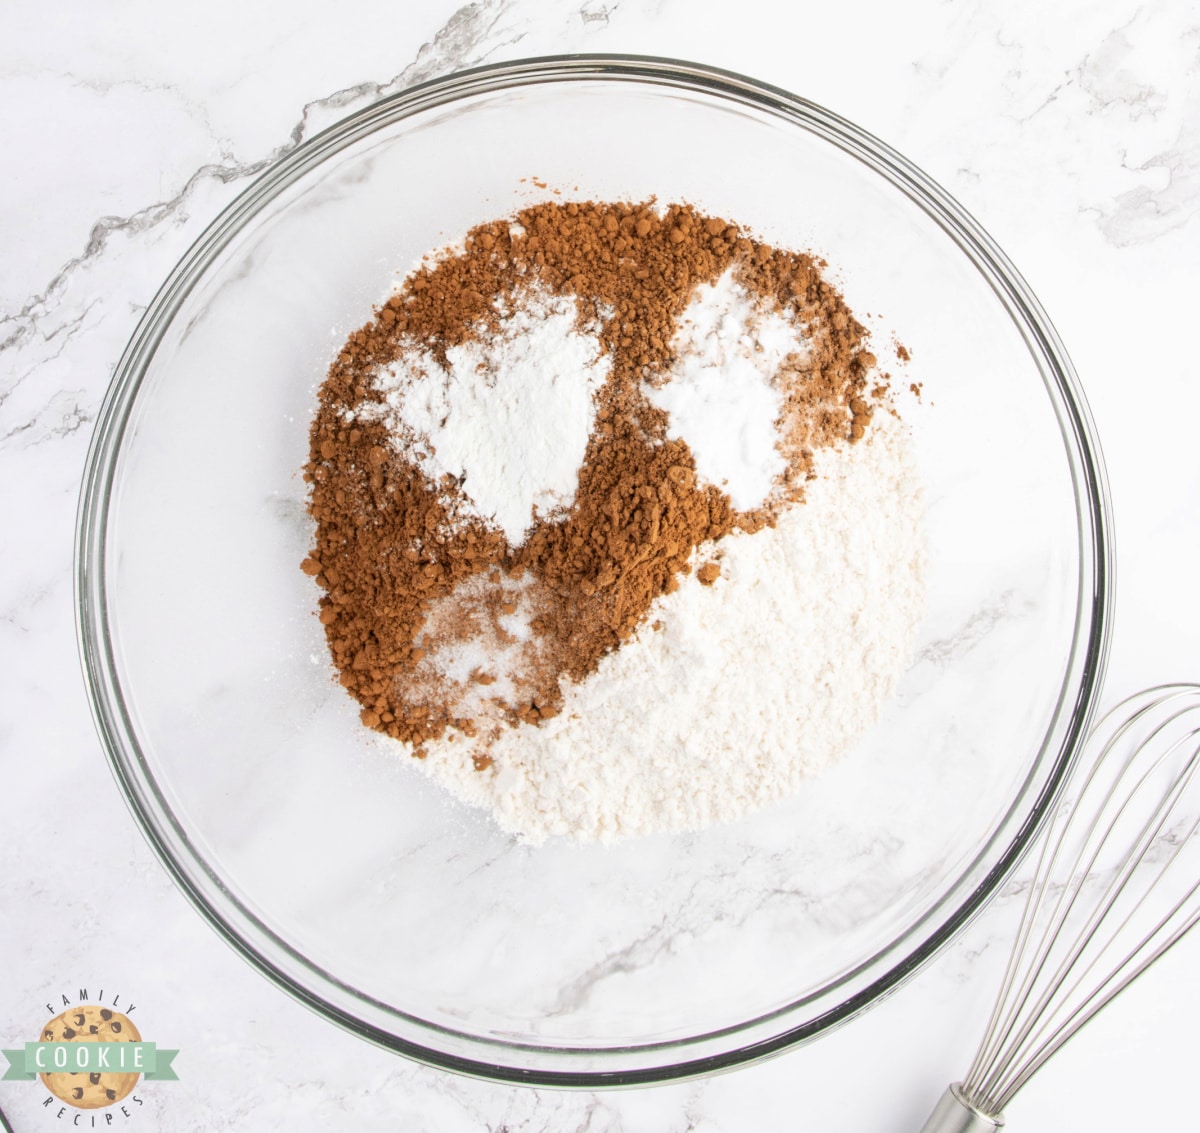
954	1114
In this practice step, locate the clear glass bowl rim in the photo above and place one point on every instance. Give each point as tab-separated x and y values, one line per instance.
254	940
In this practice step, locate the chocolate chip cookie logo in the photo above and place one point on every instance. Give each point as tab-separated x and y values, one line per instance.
90	1056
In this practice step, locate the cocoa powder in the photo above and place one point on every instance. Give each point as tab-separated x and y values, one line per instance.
408	573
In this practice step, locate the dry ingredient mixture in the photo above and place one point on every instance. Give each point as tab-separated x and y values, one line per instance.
615	529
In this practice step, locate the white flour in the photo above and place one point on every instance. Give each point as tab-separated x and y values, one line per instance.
721	395
749	686
512	414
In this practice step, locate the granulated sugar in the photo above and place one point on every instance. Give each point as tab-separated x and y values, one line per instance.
730	694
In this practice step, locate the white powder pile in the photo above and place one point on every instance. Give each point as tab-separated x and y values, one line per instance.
749	686
721	396
510	416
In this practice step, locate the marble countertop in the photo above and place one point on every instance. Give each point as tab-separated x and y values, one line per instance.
1072	132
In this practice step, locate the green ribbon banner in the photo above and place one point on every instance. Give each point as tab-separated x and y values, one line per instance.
94	1058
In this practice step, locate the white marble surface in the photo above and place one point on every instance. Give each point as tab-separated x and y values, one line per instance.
1072	134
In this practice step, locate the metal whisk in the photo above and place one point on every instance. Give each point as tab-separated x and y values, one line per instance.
1120	854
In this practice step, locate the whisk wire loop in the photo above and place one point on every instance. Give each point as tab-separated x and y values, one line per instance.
1003	1029
1127	811
1027	1037
1041	1045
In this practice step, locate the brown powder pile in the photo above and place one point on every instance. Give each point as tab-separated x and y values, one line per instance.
409	573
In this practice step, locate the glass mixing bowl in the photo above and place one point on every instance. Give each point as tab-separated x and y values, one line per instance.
345	875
